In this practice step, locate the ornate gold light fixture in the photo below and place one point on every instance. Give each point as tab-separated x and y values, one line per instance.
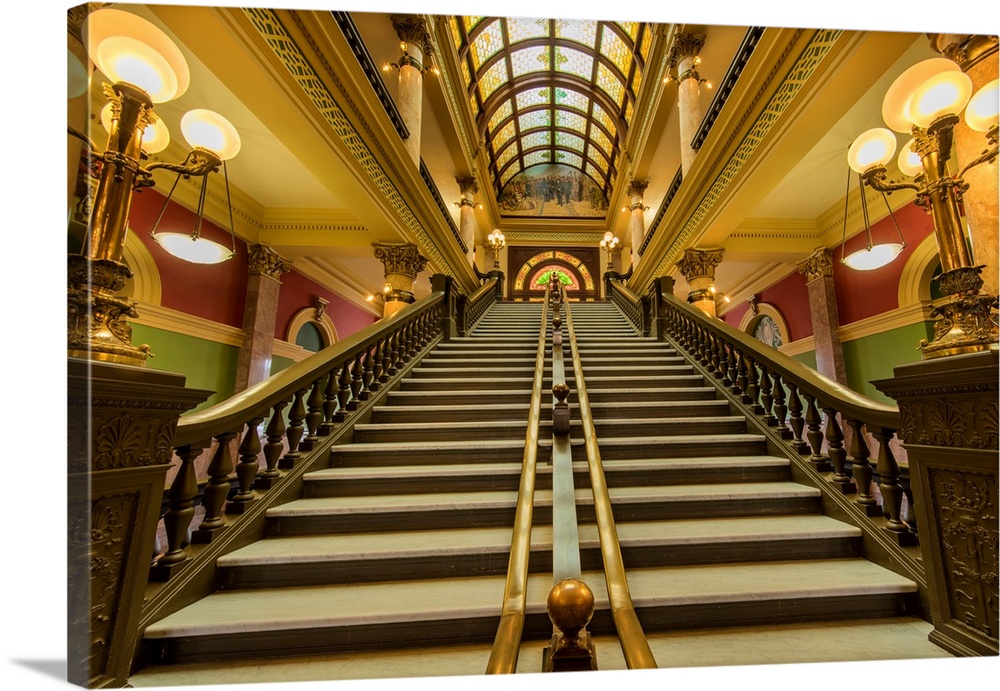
145	67
497	241
609	243
926	101
872	256
407	59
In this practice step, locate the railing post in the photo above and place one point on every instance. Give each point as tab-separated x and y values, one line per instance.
449	320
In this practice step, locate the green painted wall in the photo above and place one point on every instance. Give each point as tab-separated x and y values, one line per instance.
279	363
206	364
808	359
874	357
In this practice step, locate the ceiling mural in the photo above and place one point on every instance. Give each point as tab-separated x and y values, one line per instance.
553	191
551	91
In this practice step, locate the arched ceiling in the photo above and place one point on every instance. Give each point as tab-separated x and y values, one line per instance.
548	91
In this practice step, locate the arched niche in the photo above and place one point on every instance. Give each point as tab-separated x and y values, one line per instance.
766	324
525	285
307	315
915	279
145	285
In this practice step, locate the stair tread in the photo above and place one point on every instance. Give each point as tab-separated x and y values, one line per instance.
277	609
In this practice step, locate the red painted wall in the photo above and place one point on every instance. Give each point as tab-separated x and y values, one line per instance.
791	297
297	292
211	291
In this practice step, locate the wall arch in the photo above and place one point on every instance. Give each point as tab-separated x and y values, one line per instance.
145	284
915	279
765	309
308	315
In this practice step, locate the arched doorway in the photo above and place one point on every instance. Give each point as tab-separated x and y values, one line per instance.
570	268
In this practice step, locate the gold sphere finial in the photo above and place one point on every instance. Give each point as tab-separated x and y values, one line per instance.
571	605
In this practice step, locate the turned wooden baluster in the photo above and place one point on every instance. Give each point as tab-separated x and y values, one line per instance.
385	345
357	380
393	353
713	354
796	422
246	469
274	432
406	344
330	403
780	409
344	392
721	369
815	435
861	468
177	520
889	486
378	357
368	375
703	349
766	397
296	429
314	416
216	490
835	450
729	368
752	391
740	380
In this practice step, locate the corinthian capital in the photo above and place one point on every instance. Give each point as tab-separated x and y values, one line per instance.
265	261
685	46
400	259
637	188
413	29
817	265
699	263
467	184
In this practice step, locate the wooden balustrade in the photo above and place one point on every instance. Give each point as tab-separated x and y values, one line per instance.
807	412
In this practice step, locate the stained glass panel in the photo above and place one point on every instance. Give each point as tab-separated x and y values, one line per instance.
602	142
630	28
536	157
502	113
470	23
506	155
582	31
521	29
575	62
492	79
601	166
503	136
571	98
527	60
570	141
604	119
465	71
637	79
569	159
511	171
594	172
571	121
647	39
456	32
536	139
487	44
532	97
615	50
628	111
609	84
536	118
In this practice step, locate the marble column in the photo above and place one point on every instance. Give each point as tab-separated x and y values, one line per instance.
818	270
402	262
467	213
415	43
636	221
259	314
978	58
698	268
684	58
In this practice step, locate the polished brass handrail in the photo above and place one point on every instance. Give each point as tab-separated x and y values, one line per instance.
507	643
631	637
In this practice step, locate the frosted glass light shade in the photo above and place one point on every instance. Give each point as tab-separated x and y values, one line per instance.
981	113
874	257
943	94
896	104
209	130
154	138
77	79
909	160
874	147
197	250
127	48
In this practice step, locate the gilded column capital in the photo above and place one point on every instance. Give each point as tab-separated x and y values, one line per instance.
413	29
965	49
402	259
698	263
263	260
467	184
817	265
637	188
685	46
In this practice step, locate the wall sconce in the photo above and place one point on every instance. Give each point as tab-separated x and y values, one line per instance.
468	202
926	101
146	68
610	244
407	59
497	241
690	73
872	256
380	297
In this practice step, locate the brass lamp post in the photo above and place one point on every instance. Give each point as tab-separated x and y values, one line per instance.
609	243
146	67
497	241
926	101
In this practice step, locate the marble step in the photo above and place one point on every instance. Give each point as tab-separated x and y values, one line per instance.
635	395
484	397
426	383
310	620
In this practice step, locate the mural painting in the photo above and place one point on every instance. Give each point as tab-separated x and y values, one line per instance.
552	191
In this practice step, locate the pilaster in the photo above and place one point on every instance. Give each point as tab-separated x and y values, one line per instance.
818	270
259	314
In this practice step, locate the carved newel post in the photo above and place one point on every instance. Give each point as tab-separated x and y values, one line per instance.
402	263
698	267
121	422
948	408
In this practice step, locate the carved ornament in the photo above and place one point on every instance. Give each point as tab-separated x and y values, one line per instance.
467	184
637	188
699	263
320	303
685	46
265	261
965	49
413	29
818	265
401	259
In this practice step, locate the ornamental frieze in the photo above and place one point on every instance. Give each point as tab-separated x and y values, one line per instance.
265	261
698	263
817	265
970	423
402	259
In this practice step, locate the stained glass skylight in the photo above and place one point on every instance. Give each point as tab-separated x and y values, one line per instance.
563	87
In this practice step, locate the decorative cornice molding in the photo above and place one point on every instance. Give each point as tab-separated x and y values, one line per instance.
817	265
515	236
185	324
263	260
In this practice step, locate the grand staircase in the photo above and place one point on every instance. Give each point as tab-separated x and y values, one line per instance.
395	555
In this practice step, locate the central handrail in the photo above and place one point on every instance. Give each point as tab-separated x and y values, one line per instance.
631	637
507	644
